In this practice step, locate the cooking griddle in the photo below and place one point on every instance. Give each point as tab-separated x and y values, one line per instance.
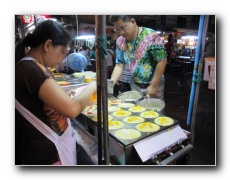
126	142
133	151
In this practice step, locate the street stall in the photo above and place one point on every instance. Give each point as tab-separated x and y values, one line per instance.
129	129
136	142
139	134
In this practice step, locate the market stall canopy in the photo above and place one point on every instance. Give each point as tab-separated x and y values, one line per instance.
31	26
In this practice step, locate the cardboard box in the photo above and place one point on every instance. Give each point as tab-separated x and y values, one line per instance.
212	79
209	62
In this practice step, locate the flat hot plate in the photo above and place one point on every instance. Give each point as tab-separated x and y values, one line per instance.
126	142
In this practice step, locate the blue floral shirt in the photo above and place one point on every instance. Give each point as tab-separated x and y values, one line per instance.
141	55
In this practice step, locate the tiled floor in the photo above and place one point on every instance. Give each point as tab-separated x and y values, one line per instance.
177	101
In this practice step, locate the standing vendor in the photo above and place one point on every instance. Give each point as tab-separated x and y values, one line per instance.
44	134
142	50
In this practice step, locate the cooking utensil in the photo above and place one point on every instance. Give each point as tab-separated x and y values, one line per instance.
147	97
131	96
152	104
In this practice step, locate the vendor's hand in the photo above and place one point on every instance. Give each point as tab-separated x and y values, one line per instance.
118	83
71	92
151	90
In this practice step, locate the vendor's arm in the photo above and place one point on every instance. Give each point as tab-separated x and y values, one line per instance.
117	72
55	97
158	73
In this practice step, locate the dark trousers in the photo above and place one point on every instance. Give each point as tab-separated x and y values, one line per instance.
124	87
120	88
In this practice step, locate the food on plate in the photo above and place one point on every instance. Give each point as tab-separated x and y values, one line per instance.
88	79
133	119
90	74
127	134
93	107
113	108
78	74
147	127
121	113
126	105
149	114
114	124
164	121
63	83
90	110
109	118
137	109
58	75
115	101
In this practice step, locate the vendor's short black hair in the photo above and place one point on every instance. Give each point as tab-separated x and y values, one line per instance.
170	37
126	18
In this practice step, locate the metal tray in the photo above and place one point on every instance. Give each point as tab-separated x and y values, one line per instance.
131	96
152	104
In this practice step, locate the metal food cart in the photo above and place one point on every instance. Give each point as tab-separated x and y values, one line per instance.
165	146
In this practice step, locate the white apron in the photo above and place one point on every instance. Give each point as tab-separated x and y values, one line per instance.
65	144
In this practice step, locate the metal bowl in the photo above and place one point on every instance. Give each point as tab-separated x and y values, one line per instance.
152	104
131	96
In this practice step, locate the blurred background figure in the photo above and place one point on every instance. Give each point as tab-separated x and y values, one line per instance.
184	50
93	53
170	49
85	51
169	46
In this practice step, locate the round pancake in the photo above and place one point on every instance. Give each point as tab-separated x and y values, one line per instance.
147	127
89	112
164	121
115	124
115	101
63	83
137	109
58	75
109	118
91	107
133	119
113	108
121	113
127	134
126	105
149	114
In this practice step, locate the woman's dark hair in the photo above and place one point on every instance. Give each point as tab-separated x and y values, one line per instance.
126	18
46	30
